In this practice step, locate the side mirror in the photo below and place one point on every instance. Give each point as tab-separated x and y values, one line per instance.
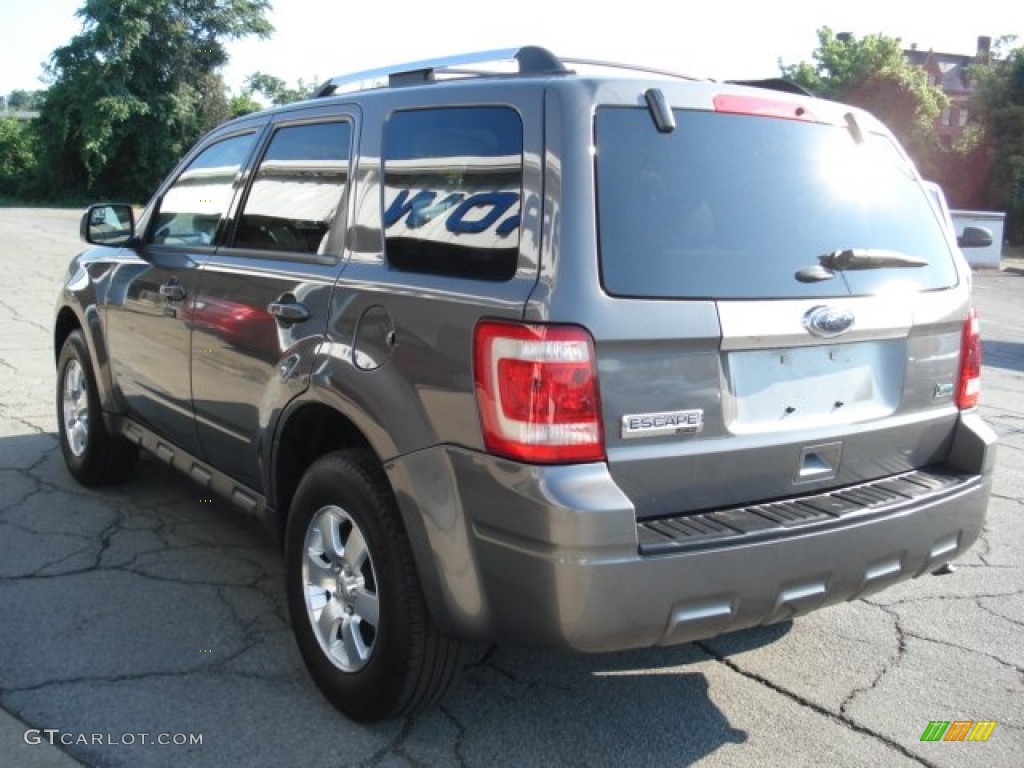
974	237
110	224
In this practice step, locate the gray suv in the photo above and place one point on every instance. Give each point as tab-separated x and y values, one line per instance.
583	356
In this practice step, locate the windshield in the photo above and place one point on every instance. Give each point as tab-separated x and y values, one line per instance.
733	206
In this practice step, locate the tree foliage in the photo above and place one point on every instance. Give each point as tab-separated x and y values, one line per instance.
21	100
135	88
17	154
999	105
243	104
272	89
871	72
276	90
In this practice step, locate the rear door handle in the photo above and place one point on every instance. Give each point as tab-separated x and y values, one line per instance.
288	310
173	291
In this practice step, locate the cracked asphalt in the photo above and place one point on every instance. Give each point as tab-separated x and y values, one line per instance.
145	610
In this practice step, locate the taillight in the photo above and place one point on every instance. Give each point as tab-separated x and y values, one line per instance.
536	389
968	386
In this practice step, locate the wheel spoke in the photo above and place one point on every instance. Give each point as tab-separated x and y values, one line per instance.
355	549
355	648
78	437
316	597
71	382
330	617
367	607
331	536
318	573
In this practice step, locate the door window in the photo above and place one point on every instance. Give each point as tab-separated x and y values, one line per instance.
297	190
192	209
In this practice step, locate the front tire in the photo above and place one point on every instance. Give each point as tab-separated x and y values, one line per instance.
93	455
354	598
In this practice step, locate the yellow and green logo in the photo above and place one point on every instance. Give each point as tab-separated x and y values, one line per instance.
958	730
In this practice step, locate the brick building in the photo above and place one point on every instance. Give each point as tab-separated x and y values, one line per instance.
951	72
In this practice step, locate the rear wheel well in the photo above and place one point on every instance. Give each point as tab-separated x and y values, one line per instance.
311	432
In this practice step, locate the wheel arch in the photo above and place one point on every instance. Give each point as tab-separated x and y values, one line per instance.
64	325
87	320
310	429
306	431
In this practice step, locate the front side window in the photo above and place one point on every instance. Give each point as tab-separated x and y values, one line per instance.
452	187
192	209
297	189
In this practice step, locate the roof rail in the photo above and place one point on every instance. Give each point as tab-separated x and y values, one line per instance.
532	60
774	84
631	67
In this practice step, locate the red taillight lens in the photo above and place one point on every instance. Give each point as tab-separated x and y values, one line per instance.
968	386
536	389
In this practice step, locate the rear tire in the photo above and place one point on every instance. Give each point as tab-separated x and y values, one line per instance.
355	602
93	455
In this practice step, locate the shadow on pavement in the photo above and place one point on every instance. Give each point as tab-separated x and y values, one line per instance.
1008	355
524	707
149	572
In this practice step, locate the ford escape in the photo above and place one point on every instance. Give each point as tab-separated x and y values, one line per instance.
593	358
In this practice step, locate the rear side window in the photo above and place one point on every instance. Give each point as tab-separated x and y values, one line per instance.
452	188
297	189
732	206
192	209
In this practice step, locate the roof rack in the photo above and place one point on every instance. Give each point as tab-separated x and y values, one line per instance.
630	67
532	60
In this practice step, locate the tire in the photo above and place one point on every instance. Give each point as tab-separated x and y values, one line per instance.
355	602
93	455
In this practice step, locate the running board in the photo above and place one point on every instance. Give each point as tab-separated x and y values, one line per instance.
242	496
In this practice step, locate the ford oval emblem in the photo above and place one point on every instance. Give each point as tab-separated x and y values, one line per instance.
827	321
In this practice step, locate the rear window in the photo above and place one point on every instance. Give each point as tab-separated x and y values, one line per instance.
732	206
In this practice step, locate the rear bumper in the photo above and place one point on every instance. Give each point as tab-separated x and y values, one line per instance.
552	555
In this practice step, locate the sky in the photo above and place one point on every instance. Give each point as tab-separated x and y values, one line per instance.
318	39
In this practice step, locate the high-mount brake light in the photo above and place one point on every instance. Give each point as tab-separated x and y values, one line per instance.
968	387
536	389
762	107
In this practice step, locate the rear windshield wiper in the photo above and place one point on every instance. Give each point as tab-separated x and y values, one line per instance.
867	258
855	258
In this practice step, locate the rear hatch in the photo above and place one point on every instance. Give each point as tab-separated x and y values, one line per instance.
793	299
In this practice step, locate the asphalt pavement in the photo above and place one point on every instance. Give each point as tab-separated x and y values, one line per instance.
143	626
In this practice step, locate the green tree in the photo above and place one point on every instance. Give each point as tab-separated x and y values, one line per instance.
243	104
272	89
19	100
135	89
276	90
872	73
999	107
17	154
